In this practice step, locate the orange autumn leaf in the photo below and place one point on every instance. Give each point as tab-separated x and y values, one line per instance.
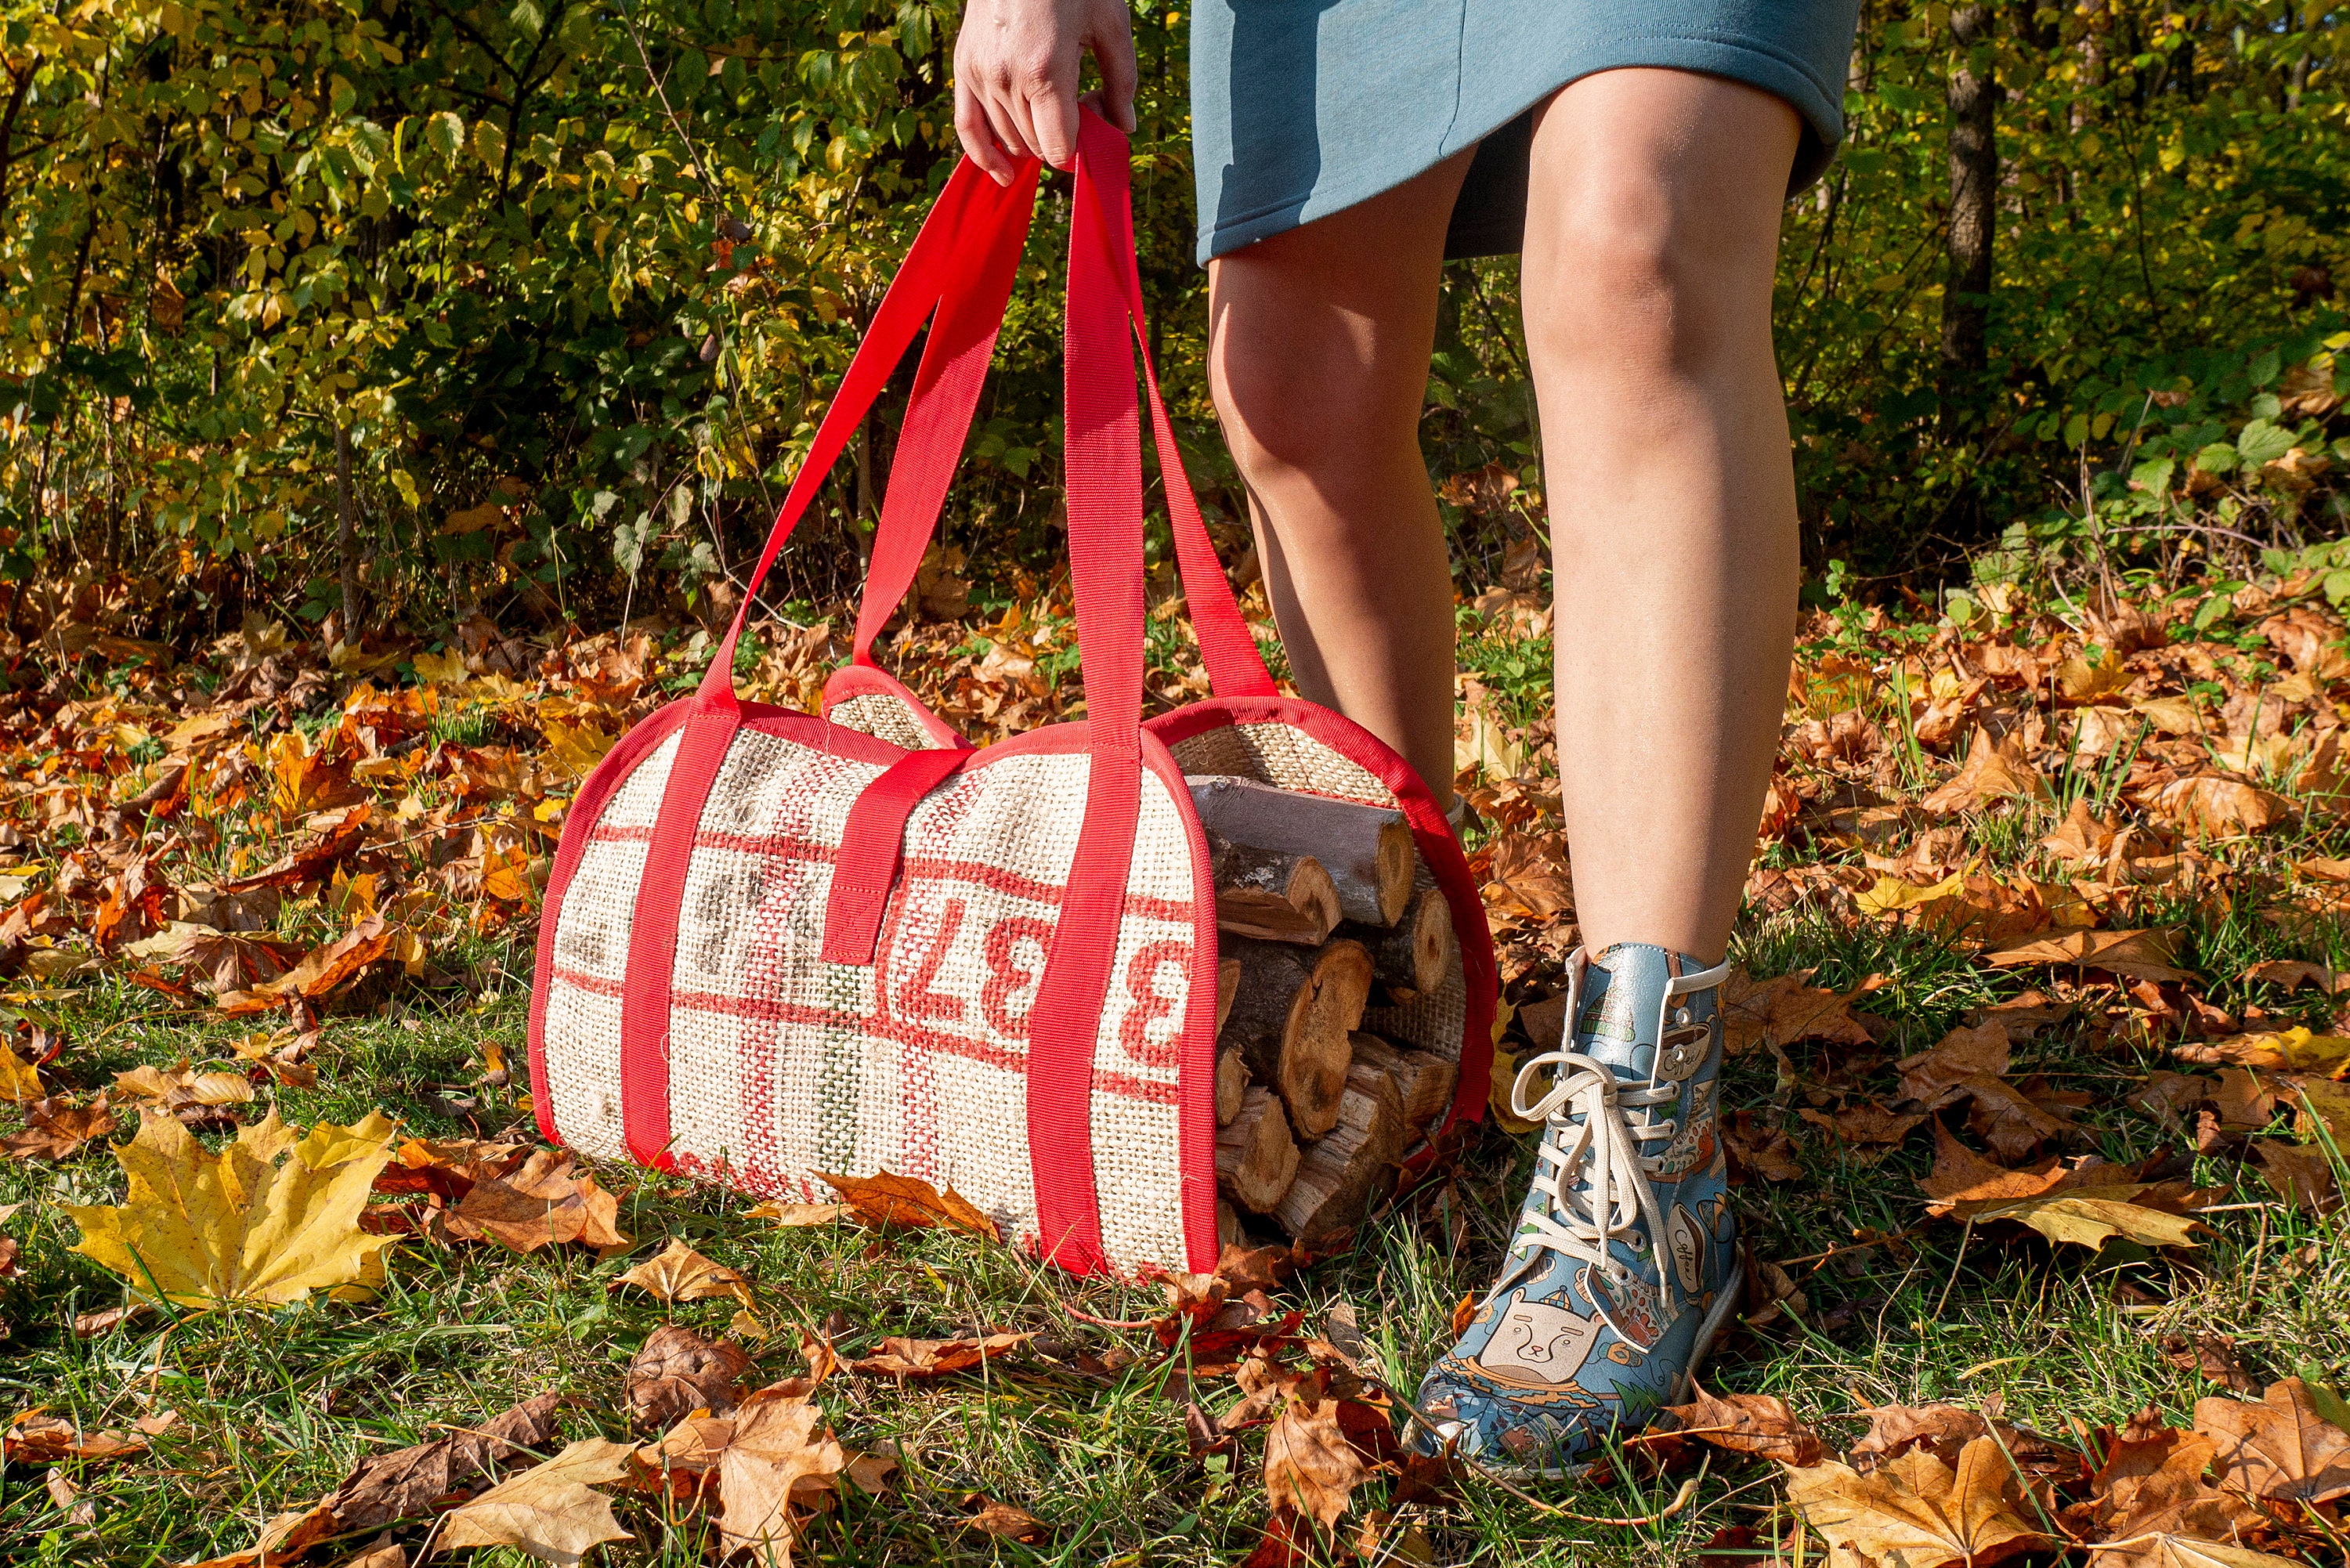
883	1201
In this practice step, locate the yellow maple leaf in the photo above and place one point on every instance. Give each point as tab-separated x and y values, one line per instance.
268	1219
18	1082
552	1510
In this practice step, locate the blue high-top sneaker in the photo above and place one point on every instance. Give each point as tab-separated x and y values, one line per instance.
1626	1261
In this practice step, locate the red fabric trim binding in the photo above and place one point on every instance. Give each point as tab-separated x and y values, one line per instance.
872	844
596	793
1195	1105
1430	832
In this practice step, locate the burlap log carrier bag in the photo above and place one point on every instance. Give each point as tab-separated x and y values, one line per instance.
776	944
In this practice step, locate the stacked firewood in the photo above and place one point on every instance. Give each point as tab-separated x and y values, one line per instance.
1318	919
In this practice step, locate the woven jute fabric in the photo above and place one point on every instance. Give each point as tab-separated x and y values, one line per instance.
884	717
1288	758
783	1066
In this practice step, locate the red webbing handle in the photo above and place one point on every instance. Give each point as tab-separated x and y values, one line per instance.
954	258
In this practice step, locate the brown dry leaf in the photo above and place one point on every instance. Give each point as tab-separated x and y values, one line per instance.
1918	1510
779	1458
2299	1172
2212	1353
54	1129
2084	1206
540	1203
681	1274
2150	1486
1993	771
2281	1448
679	1372
1001	1518
2210	804
1945	1430
285	1540
405	1482
385	1552
2015	1124
1758	1149
1784	1010
883	1201
2294	1050
1526	875
2138	955
902	1357
1759	1424
2292	974
2160	1550
2083	838
186	1093
1310	1464
1934	1078
551	1510
1866	1126
36	1438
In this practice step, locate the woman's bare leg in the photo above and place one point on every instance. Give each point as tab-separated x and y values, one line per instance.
1318	361
1651	237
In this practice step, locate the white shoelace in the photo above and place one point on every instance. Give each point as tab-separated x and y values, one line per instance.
1596	1182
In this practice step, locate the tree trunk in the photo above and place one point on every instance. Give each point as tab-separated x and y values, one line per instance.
347	534
1974	183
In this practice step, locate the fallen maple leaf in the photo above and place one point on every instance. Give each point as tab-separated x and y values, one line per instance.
2140	955
268	1219
2281	1448
2301	1173
36	1437
679	1372
406	1482
198	1098
779	1454
54	1130
1866	1126
551	1510
1759	1424
796	1216
540	1203
1934	1078
883	1201
20	1082
1758	1149
902	1357
2219	807
1993	771
1310	1462
1917	1510
2294	1050
1786	1009
2084	1206
681	1274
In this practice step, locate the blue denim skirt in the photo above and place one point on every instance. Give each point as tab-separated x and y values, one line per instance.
1301	108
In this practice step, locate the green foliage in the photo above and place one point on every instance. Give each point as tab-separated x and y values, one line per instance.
599	267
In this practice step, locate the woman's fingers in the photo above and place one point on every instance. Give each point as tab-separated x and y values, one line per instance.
1017	74
980	143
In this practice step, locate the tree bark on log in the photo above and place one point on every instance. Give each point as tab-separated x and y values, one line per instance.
1274	895
1424	1082
1367	849
1410	957
1291	1019
1256	1159
1338	1179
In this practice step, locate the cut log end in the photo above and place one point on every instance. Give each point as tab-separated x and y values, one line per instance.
1393	863
1256	1159
1228	985
1291	1020
1411	957
1424	1082
1338	1179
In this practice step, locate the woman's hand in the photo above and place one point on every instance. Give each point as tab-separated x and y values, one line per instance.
1016	78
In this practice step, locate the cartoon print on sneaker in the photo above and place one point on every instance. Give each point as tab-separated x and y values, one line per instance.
1537	1342
1625	1258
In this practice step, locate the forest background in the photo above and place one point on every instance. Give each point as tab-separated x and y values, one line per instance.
393	311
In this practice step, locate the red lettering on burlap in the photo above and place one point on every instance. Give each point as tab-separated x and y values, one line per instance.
917	999
1006	976
1150	1007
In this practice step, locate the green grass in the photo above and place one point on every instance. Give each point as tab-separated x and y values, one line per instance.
276	1406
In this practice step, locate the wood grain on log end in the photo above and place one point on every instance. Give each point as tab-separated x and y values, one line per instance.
1256	1159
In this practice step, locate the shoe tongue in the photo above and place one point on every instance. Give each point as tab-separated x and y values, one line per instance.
1623	997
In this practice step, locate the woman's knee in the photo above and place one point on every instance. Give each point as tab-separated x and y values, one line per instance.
1301	398
1625	278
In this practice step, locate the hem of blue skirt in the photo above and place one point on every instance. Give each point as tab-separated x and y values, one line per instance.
1747	60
